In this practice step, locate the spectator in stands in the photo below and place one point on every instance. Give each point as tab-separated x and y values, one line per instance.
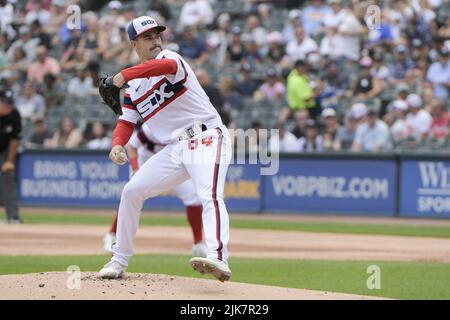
272	89
441	122
429	101
349	30
121	51
26	42
68	136
115	13
82	84
162	8
38	12
6	16
52	91
293	22
57	17
330	128
345	134
301	117
245	85
312	141
372	135
439	75
41	136
251	53
284	141
336	79
211	90
10	134
367	86
301	46
38	33
418	119
99	138
400	130
314	15
19	65
254	143
89	43
276	50
193	47
256	32
379	69
299	93
217	40
29	103
196	13
236	48
42	66
73	56
330	40
403	63
232	99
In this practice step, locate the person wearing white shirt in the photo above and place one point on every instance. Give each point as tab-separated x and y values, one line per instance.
349	31
400	129
196	13
312	141
439	75
100	140
418	119
284	141
301	46
372	135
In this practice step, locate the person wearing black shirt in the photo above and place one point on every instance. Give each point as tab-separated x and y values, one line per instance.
10	129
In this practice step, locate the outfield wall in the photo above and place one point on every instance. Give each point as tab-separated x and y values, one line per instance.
381	185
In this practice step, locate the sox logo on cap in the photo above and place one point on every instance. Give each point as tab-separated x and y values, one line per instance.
142	24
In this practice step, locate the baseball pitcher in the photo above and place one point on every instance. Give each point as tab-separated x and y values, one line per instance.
165	93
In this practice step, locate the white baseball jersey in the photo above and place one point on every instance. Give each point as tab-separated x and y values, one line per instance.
169	103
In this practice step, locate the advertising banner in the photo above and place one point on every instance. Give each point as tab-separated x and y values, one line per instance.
333	185
425	188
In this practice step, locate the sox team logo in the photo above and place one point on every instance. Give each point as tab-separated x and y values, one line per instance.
158	97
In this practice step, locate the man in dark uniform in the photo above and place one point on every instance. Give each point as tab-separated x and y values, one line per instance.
10	128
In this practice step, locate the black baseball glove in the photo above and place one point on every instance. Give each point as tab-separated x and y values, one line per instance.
110	94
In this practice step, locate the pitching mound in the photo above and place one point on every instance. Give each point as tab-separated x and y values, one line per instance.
53	285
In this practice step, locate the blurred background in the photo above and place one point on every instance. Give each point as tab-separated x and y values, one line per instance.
333	76
352	61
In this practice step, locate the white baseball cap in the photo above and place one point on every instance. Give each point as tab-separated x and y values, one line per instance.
115	5
414	100
294	13
359	110
400	105
142	24
328	112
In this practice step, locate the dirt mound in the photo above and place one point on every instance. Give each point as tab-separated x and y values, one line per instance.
138	286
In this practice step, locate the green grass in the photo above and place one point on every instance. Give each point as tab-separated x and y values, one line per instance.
333	227
401	280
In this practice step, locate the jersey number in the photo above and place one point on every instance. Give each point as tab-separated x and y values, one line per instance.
193	143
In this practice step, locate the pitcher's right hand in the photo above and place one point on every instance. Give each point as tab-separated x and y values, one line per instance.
118	155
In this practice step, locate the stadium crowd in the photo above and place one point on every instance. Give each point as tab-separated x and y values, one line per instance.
330	75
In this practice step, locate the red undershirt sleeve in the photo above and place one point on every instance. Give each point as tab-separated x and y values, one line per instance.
122	133
151	68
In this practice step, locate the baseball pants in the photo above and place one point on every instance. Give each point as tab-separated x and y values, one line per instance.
204	159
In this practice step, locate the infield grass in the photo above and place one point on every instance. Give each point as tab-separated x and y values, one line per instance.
329	227
401	280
